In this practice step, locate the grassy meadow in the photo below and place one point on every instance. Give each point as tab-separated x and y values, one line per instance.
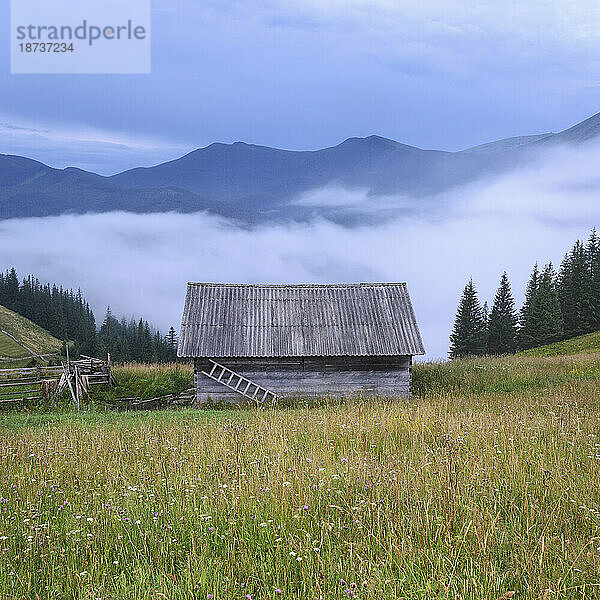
485	484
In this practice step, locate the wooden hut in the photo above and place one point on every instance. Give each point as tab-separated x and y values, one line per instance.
265	341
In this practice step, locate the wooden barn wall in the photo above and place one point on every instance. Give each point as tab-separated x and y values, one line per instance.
380	375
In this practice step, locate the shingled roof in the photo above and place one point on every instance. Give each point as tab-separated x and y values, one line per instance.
364	319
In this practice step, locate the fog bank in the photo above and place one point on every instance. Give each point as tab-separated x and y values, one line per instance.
139	264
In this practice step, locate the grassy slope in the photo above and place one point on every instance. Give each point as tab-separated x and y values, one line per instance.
589	344
33	336
486	482
9	348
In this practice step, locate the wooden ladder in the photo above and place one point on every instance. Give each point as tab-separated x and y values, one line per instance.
238	383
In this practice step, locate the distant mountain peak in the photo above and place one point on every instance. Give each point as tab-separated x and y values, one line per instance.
375	142
255	183
370	139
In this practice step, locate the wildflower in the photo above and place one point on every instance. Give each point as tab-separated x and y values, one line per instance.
278	591
209	596
248	597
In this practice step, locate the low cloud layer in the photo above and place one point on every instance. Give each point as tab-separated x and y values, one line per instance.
140	263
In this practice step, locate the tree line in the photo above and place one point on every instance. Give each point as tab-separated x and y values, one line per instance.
557	306
68	316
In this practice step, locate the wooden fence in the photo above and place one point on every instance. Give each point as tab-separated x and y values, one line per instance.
45	382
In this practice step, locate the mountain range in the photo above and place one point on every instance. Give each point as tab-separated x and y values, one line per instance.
257	183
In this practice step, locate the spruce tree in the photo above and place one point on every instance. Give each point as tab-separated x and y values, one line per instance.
575	289
159	348
527	335
109	336
502	324
147	343
172	343
593	258
468	333
546	314
11	295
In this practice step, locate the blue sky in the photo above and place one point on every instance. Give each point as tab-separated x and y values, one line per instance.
305	74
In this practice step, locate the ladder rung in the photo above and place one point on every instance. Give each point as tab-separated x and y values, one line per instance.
222	379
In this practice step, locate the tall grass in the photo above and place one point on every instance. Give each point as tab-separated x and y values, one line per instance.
145	381
514	373
474	493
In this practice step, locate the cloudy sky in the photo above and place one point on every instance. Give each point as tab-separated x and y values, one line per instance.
305	74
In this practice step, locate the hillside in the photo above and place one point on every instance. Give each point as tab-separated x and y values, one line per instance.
27	332
258	183
583	344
